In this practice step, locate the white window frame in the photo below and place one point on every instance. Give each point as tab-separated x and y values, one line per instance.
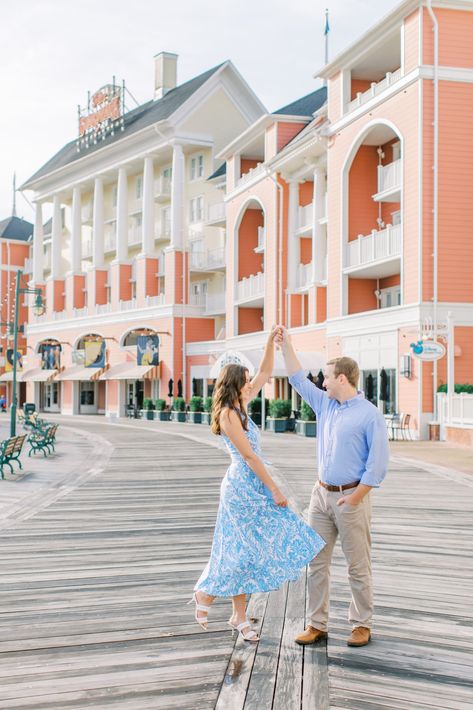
196	167
393	293
196	209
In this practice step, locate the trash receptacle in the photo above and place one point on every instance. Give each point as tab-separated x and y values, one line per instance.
29	408
434	431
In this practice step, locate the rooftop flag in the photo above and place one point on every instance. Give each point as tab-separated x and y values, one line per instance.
327	26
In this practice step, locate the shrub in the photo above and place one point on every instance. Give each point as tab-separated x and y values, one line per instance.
148	403
179	404
280	408
307	413
160	405
254	407
466	388
195	404
208	404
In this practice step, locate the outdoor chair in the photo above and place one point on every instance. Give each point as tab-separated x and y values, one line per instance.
10	450
399	423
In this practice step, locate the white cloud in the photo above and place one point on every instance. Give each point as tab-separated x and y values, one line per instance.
54	51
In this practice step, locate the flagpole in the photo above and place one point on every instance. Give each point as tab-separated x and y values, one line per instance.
326	31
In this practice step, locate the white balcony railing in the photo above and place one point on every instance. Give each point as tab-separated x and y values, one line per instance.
110	241
461	409
104	308
215	303
59	315
197	299
375	246
252	173
134	236
304	275
216	213
207	260
129	305
158	300
375	89
389	176
162	229
250	287
87	248
86	213
162	187
305	216
80	312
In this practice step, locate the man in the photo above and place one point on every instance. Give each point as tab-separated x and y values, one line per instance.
353	455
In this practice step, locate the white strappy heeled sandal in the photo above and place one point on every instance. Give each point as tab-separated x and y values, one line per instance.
201	620
250	636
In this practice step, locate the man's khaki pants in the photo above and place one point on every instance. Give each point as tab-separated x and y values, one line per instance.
352	523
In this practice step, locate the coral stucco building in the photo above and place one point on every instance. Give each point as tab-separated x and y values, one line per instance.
346	215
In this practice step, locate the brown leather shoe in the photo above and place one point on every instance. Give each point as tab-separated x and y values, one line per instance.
360	636
310	635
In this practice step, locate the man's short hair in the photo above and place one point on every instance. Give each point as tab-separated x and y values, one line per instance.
346	366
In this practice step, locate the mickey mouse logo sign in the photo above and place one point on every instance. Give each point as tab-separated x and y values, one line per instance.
428	350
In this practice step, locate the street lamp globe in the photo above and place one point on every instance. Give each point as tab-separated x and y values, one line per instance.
38	307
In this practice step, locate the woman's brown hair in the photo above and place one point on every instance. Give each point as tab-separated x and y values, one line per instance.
231	380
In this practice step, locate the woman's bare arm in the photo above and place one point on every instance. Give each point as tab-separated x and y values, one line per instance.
230	424
265	369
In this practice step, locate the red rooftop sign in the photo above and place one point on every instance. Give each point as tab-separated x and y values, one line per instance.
102	116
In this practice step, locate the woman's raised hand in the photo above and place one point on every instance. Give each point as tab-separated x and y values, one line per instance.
278	498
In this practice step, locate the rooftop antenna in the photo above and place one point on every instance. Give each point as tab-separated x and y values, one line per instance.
14	196
326	31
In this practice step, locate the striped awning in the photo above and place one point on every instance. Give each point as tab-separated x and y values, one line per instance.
131	371
80	373
8	376
37	374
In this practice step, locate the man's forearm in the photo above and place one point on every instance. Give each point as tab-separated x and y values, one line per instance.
290	358
359	493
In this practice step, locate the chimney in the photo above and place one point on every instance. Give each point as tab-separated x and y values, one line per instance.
165	73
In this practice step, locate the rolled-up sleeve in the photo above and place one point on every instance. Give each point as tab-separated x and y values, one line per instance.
314	396
378	453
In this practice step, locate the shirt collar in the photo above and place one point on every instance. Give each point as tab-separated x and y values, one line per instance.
353	400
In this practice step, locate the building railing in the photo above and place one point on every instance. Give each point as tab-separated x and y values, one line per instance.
216	213
250	287
197	299
162	229
215	303
87	248
134	236
129	305
461	411
208	259
80	312
389	176
304	275
158	300
86	213
104	308
162	187
375	246
252	172
375	89
306	215
110	241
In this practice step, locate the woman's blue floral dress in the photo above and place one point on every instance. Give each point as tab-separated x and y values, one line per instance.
257	545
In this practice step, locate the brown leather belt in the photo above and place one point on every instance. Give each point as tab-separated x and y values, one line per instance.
338	489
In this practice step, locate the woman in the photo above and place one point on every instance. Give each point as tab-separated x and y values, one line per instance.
259	543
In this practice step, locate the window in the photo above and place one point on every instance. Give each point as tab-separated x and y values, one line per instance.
199	288
396	150
87	393
390	297
197	167
114	196
139	187
396	217
196	209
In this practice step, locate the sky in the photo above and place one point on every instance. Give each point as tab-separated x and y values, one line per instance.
54	51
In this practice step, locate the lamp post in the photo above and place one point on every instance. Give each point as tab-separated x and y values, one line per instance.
38	309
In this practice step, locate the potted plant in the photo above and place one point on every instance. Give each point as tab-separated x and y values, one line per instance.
148	409
279	413
207	413
195	409
178	413
163	414
254	410
306	425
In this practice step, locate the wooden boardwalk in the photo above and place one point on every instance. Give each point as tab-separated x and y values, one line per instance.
95	578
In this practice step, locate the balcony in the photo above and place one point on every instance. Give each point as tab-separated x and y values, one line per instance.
162	230
110	242
104	308
375	89
252	173
87	213
212	303
158	300
87	249
129	305
162	189
251	288
304	276
305	219
375	255
134	236
80	312
208	260
216	215
389	182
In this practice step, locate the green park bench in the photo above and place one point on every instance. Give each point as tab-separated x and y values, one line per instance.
43	440
10	450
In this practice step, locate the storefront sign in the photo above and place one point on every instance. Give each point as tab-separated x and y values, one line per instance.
147	350
102	116
428	350
94	353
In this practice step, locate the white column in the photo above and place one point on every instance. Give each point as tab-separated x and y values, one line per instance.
147	222
319	242
177	197
76	232
98	224
293	243
38	250
56	234
122	216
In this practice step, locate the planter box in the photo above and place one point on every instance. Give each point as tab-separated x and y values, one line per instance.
178	416
195	417
147	414
206	417
291	425
306	428
278	426
163	415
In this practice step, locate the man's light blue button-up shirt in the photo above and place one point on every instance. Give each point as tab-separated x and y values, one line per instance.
352	439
